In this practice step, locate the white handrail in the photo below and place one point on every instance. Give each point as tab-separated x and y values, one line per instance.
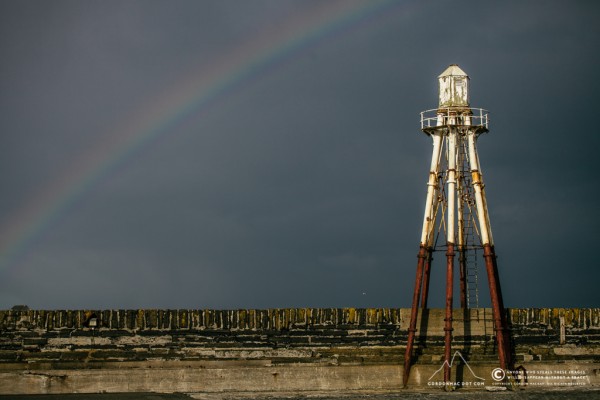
453	116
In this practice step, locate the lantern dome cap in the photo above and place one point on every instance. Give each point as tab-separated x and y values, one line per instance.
453	70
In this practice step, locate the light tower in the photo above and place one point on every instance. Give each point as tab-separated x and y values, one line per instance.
456	210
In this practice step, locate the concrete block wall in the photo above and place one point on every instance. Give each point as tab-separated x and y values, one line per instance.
555	334
39	338
50	338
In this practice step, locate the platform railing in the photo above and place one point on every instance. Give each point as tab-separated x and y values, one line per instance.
454	116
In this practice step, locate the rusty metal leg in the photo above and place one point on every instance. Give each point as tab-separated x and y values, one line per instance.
462	267
413	314
497	304
448	319
426	274
507	342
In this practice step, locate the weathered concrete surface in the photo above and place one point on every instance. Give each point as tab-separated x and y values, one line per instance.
100	396
550	394
559	394
300	378
299	350
547	394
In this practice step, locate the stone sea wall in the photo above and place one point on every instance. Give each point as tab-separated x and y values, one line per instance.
56	351
35	336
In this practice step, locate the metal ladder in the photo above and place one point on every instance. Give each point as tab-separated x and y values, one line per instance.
472	241
472	268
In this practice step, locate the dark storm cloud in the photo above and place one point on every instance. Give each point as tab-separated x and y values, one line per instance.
306	186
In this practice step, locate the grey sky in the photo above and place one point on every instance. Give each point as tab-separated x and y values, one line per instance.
303	185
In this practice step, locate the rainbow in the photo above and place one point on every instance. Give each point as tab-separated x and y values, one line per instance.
193	94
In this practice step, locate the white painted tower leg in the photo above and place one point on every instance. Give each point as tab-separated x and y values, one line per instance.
500	321
428	224
451	182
